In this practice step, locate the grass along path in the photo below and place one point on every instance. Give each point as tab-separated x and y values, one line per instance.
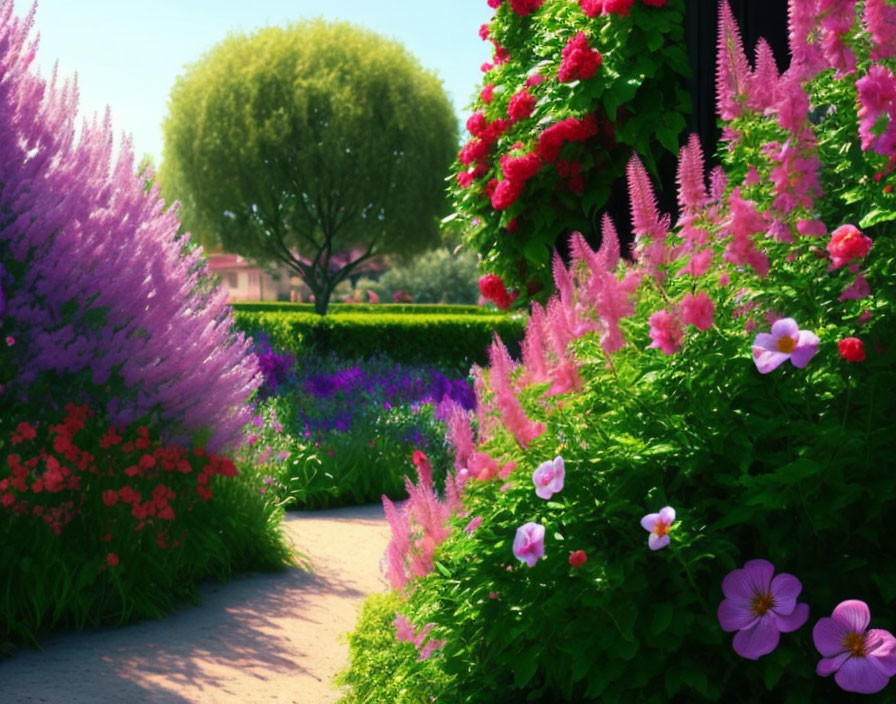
261	638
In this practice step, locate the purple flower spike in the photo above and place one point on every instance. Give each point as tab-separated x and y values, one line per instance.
863	660
786	341
658	526
528	545
549	478
760	608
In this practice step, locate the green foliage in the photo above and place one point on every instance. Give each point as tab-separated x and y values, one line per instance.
315	138
378	308
68	580
793	466
454	341
433	277
637	98
383	669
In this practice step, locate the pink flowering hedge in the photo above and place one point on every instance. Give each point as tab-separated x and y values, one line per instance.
680	491
571	89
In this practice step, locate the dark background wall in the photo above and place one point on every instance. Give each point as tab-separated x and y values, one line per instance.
756	18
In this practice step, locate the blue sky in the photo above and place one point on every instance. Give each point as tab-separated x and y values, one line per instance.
127	54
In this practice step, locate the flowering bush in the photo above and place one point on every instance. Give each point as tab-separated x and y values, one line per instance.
118	522
779	474
571	90
342	432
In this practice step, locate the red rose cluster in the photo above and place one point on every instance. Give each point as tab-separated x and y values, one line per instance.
493	289
580	61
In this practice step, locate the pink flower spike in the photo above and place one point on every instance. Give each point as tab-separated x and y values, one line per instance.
548	478
760	608
528	545
473	524
786	341
658	526
863	660
698	310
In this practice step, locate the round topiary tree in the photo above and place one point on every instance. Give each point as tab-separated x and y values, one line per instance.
297	144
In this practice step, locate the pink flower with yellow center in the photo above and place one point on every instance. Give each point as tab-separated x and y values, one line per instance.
863	660
760	606
786	341
658	525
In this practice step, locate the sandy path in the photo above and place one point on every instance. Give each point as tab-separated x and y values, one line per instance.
261	638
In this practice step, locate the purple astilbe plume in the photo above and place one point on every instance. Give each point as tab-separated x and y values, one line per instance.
764	79
275	368
649	227
109	288
732	67
807	59
513	416
880	20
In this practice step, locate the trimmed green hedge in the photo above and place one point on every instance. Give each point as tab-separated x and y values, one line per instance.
342	308
449	340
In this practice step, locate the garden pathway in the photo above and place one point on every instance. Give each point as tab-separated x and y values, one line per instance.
261	638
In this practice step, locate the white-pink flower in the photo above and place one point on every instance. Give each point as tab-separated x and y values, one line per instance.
786	341
658	526
528	545
548	478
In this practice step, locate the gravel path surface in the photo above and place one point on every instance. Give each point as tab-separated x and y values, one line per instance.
261	638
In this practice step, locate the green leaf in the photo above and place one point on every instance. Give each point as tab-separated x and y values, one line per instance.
877	215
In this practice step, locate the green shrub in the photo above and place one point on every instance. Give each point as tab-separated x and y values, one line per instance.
769	443
382	669
119	525
373	308
433	277
450	340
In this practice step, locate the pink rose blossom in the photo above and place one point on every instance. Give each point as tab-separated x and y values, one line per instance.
863	660
786	341
548	478
658	526
528	545
847	244
760	608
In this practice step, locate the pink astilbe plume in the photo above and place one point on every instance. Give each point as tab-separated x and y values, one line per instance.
877	110
513	416
807	59
460	434
764	79
692	196
732	67
795	174
533	347
650	229
744	222
398	547
880	20
837	18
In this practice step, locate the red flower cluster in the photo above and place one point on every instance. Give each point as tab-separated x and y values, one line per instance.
551	141
617	7
852	349
493	289
578	558
525	7
580	61
521	106
487	94
61	479
517	171
848	244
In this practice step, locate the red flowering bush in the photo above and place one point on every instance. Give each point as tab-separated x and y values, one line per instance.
568	94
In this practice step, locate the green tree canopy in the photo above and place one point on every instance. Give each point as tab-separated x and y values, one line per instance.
318	145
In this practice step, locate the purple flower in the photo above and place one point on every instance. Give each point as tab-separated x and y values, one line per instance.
863	660
528	545
658	526
760	608
786	341
2	303
548	478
